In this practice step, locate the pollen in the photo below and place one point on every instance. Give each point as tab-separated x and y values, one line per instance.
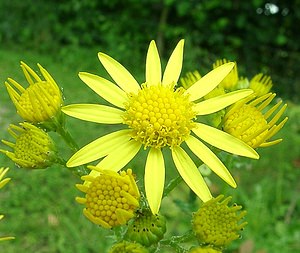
159	116
111	198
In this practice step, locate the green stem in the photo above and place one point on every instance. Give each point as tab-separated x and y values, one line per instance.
63	132
171	185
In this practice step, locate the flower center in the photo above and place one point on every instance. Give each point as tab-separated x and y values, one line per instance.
159	116
40	99
248	124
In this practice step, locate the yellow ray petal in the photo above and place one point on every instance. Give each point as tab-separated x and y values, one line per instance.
210	159
105	89
220	102
99	148
153	66
119	73
154	178
208	82
174	65
224	141
122	155
190	173
94	113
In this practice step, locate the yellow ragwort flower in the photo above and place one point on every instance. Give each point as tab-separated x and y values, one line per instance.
203	250
249	121
111	198
218	224
3	182
33	149
261	84
41	101
231	80
158	115
127	247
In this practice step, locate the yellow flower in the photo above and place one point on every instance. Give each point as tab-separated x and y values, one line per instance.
247	120
231	80
3	182
111	198
34	149
261	84
41	101
158	115
127	247
218	224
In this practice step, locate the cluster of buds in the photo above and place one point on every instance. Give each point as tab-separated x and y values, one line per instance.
253	119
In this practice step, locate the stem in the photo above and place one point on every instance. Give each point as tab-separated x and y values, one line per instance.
64	133
172	184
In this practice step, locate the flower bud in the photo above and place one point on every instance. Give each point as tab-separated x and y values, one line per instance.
41	101
216	223
146	228
111	198
249	120
33	149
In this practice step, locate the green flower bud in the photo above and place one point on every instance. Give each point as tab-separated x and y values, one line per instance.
146	228
218	224
33	149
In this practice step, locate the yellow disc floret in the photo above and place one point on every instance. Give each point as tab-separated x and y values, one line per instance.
111	198
159	116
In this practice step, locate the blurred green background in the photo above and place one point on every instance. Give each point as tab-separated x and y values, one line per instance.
65	37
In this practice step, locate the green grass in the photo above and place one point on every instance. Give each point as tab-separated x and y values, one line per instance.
41	211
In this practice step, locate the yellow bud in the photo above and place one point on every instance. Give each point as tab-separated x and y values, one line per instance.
39	102
33	148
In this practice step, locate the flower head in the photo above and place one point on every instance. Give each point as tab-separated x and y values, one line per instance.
33	149
146	228
41	101
261	84
218	224
128	247
111	198
3	182
157	115
249	121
